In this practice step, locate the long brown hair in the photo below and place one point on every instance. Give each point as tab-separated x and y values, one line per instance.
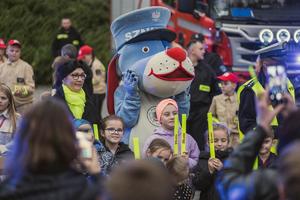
45	140
11	108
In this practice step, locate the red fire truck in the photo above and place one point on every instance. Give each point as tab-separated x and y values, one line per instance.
235	29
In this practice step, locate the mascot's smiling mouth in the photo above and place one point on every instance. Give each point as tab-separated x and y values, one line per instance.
179	74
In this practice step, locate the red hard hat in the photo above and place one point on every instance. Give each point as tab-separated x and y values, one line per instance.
2	44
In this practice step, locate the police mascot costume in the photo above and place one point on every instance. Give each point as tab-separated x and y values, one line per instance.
145	70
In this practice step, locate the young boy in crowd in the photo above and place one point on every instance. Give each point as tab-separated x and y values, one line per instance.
207	167
224	107
267	159
165	113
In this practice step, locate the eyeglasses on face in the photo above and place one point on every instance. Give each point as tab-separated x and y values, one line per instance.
113	130
77	76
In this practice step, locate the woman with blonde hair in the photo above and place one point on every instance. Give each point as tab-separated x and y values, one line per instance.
8	117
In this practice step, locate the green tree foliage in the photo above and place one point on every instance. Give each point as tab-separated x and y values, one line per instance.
35	22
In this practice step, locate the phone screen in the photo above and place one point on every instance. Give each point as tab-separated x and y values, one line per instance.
84	144
277	83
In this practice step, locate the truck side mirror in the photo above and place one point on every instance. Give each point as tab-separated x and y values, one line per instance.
201	6
186	6
197	8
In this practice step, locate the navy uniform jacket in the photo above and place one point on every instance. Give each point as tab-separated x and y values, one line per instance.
203	89
204	86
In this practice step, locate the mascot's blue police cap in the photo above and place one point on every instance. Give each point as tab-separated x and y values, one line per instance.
143	24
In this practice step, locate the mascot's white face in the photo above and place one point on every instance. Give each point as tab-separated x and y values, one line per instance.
162	71
168	73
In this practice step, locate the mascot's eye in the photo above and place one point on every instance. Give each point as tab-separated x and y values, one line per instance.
145	49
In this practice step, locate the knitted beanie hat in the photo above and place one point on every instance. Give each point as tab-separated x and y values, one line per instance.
68	67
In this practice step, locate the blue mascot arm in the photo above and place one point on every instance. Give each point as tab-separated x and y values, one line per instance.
128	100
183	101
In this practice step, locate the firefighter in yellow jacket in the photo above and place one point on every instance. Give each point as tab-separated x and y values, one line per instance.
18	76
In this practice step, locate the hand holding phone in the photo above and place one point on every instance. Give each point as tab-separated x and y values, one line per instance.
277	83
84	144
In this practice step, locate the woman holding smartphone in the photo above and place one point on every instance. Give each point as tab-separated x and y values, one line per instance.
41	163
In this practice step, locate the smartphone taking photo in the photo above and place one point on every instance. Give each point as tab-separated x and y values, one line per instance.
277	82
85	145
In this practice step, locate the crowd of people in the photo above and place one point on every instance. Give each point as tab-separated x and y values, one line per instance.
52	150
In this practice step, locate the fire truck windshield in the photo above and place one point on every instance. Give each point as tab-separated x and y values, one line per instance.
265	10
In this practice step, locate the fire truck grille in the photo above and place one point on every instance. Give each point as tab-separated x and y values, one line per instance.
244	42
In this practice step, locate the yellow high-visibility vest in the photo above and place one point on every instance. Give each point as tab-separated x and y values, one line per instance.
258	89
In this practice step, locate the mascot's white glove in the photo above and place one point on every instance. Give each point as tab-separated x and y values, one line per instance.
130	80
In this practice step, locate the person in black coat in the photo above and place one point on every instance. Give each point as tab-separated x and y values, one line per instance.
206	170
213	60
74	88
41	163
202	90
247	114
67	34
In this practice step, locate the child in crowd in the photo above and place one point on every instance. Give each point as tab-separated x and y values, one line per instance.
114	152
84	126
139	180
267	159
8	118
224	107
160	149
207	168
179	170
165	113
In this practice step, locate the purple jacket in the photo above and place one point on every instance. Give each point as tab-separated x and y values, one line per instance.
191	144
